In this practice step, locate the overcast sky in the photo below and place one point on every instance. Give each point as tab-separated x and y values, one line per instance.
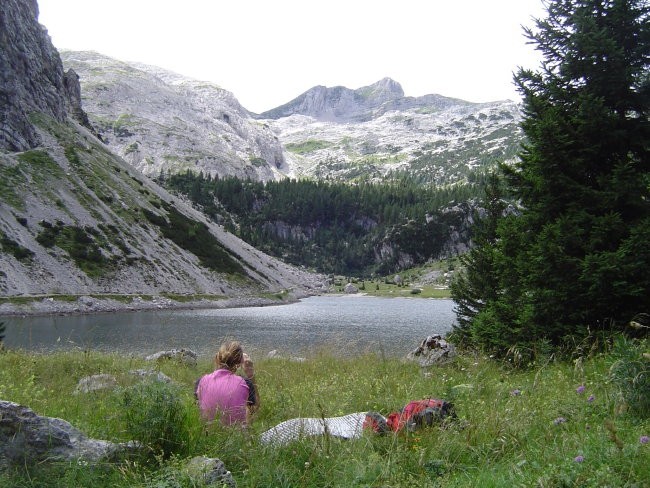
268	52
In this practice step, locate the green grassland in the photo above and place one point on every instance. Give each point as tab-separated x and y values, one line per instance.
554	424
411	282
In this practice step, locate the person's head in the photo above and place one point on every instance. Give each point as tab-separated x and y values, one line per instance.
230	356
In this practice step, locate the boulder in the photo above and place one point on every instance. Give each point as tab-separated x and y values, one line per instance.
27	438
210	471
150	373
184	356
95	382
350	288
433	350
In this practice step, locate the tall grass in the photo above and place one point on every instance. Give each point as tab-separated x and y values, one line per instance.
554	425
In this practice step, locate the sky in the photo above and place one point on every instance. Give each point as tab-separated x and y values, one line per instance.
267	52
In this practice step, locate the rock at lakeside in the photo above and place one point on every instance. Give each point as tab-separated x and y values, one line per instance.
350	288
27	438
186	357
432	351
211	471
274	354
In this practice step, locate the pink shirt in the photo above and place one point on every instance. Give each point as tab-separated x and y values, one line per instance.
225	393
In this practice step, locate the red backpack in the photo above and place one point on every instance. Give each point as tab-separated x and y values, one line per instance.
416	414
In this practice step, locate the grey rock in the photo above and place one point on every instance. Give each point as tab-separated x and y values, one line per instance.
95	383
350	288
210	471
150	373
433	350
184	356
26	438
31	77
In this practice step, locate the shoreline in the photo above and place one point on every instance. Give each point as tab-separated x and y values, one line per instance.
89	305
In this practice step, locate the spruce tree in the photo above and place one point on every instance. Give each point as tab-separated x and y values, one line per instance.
476	284
576	260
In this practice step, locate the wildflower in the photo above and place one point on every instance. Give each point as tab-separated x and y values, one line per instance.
559	420
580	389
579	459
644	439
591	398
515	392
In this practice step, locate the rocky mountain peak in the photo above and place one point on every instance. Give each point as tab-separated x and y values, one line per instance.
385	89
31	77
340	104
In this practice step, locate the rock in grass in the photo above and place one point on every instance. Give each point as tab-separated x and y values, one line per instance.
152	374
184	356
210	471
27	438
432	351
96	382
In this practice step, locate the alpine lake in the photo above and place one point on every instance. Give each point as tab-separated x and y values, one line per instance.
342	325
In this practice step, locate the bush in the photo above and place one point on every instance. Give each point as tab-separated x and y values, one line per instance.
154	414
631	374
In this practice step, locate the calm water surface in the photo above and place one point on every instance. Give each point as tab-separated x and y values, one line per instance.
343	325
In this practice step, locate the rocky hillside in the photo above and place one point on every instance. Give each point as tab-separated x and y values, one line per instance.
376	133
77	219
160	121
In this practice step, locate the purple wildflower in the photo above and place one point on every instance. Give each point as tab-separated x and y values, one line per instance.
580	389
591	398
644	439
579	459
515	392
559	420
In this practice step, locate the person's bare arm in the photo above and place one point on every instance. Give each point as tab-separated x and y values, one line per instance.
249	372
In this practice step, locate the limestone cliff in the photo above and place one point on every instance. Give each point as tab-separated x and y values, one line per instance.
31	77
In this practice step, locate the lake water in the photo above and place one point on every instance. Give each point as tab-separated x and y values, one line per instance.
344	325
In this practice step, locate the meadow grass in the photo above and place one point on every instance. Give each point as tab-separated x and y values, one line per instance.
557	424
380	289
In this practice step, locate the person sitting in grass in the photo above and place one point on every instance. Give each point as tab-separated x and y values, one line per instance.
223	393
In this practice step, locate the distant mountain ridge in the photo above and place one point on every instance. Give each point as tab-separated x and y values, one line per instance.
160	121
341	104
376	134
